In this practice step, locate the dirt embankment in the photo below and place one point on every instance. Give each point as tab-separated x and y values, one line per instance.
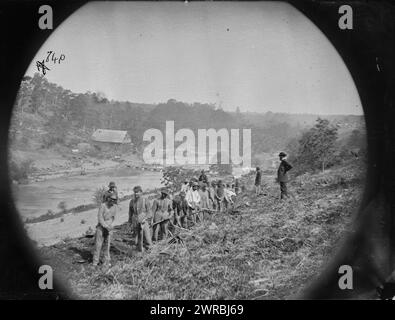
264	249
53	163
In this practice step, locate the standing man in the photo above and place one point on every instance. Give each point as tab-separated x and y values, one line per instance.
220	196
282	176
112	189
162	210
237	186
203	178
180	207
258	178
229	194
106	216
139	219
185	186
204	201
211	192
193	200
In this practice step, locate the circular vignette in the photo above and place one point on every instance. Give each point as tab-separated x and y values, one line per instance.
19	269
361	49
370	246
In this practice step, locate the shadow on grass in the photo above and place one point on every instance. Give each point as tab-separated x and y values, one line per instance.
85	254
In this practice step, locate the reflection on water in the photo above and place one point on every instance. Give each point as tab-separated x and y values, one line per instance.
37	198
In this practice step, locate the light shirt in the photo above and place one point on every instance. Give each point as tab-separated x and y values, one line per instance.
106	216
192	197
185	187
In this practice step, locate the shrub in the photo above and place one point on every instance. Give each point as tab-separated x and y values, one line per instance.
98	195
20	170
174	177
50	140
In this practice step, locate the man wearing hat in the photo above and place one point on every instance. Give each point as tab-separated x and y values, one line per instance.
203	177
162	209
185	186
193	200
112	189
282	176
139	219
106	216
229	195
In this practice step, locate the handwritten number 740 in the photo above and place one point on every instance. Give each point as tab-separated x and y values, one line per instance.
51	55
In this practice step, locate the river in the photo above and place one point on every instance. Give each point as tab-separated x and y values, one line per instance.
36	198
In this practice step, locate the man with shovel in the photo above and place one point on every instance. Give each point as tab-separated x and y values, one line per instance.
106	217
180	206
139	217
193	200
162	209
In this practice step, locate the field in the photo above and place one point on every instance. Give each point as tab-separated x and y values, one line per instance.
263	249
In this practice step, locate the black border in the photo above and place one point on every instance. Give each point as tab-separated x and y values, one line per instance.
371	41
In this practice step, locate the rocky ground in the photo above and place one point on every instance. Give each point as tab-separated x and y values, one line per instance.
262	249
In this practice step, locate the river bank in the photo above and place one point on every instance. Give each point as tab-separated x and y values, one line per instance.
76	192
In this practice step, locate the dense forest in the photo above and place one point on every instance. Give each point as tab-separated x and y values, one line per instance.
48	116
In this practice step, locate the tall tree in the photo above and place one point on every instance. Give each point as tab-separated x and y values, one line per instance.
317	145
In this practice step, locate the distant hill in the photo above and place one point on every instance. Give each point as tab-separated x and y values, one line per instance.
47	115
304	120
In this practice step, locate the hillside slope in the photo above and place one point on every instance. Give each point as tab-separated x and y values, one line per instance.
264	249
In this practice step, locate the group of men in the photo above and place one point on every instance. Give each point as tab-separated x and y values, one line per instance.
197	197
149	220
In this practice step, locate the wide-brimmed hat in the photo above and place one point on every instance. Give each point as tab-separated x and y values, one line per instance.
165	191
111	184
282	154
112	196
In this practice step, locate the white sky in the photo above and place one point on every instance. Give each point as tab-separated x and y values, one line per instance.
259	56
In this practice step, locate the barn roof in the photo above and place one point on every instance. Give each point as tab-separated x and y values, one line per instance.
114	136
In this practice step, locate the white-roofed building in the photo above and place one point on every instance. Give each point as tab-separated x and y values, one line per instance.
115	140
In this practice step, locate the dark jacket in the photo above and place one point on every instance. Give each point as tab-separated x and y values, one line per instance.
282	175
180	206
258	178
139	210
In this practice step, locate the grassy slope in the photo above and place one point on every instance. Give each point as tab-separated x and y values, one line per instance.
267	249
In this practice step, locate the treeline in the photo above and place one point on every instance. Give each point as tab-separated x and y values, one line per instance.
66	118
320	147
